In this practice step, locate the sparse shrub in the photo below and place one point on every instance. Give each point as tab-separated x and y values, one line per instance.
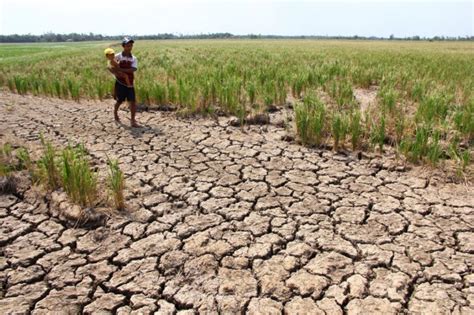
462	158
116	184
143	95
418	91
310	120
77	177
339	129
24	159
159	94
47	166
6	166
355	129
172	93
341	92
281	92
377	136
101	90
251	92
434	149
298	86
388	99
73	89
433	108
400	126
21	85
415	149
6	151
241	113
464	119
57	88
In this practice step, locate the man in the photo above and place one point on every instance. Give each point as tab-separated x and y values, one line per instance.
127	64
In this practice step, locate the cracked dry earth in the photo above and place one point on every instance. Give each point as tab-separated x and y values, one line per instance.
228	222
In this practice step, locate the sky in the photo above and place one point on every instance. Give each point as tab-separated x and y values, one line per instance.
401	18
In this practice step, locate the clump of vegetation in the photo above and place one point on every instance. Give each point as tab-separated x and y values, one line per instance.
116	184
462	158
463	118
10	162
339	130
311	120
341	92
377	135
5	159
433	108
388	99
24	159
7	181
356	129
47	166
68	169
77	177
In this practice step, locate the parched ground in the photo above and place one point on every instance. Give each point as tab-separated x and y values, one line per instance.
231	222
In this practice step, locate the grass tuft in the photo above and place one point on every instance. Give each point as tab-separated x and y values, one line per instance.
77	177
116	184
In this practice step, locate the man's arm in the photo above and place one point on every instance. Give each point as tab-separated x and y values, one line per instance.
129	70
116	72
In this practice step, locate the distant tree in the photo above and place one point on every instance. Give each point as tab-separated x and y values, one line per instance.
76	37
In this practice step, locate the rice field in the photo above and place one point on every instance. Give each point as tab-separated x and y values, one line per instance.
424	104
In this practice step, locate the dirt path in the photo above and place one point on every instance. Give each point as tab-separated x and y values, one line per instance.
233	223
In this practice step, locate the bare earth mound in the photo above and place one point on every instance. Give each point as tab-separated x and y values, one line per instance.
232	222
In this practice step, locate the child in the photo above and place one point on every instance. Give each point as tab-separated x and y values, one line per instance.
113	66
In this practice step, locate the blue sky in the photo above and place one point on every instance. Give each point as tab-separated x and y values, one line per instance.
283	17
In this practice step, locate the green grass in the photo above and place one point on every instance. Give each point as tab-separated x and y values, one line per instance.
8	181
339	129
77	177
116	184
356	129
47	166
463	118
378	133
24	159
67	168
14	160
427	84
311	120
6	166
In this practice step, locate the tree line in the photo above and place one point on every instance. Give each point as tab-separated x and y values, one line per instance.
80	37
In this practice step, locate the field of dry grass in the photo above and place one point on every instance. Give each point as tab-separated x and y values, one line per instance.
422	104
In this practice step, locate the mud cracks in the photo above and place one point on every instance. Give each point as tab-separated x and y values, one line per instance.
232	222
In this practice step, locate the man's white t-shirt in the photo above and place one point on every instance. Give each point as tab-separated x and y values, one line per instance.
126	62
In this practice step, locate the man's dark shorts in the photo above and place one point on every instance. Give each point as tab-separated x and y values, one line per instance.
124	93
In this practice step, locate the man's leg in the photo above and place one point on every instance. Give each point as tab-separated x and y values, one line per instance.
133	106
133	109
119	97
116	107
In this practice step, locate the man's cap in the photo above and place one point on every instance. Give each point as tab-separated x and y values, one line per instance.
109	51
127	40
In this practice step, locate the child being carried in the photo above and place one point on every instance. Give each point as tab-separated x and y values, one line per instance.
113	66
